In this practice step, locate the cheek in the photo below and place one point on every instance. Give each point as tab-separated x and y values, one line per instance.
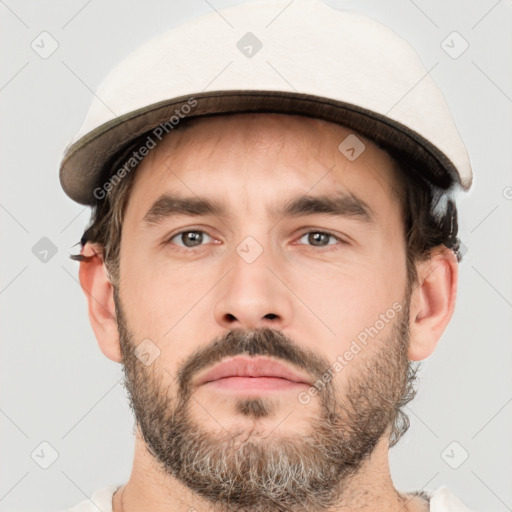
147	301
349	300
168	302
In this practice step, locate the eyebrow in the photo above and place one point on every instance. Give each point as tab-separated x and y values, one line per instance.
171	205
343	204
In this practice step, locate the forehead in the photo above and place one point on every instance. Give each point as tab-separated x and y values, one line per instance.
250	155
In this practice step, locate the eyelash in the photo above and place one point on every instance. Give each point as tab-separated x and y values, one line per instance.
323	232
328	247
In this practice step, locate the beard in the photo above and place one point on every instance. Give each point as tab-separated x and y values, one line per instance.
240	470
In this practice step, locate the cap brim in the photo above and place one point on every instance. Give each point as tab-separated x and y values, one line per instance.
88	164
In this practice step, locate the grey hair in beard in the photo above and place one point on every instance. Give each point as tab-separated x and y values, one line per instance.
243	471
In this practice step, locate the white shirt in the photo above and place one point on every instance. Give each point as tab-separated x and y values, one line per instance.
441	500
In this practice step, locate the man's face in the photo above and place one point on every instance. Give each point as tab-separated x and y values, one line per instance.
320	287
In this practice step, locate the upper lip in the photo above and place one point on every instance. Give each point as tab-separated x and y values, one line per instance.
240	366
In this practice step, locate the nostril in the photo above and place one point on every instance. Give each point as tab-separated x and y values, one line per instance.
228	317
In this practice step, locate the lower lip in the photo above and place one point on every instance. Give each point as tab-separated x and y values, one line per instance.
258	384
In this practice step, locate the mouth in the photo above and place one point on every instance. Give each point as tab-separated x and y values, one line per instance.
247	374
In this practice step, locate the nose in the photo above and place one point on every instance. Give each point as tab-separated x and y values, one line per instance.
254	295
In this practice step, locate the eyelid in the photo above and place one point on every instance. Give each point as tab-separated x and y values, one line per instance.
168	238
340	238
303	232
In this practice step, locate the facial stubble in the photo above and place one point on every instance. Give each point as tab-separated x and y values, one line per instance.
242	471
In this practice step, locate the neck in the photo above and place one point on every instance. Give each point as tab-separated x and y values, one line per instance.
149	488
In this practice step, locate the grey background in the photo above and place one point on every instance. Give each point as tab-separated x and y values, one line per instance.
57	387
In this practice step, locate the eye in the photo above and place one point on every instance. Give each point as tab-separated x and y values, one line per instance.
188	239
319	239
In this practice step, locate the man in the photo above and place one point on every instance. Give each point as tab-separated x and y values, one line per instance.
272	245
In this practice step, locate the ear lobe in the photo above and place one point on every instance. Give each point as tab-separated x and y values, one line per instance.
432	302
99	293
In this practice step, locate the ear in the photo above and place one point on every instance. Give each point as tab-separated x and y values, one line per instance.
432	302
100	298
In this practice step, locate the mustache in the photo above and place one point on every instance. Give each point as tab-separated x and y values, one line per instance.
258	342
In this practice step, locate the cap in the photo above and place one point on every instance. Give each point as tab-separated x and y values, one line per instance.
301	57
